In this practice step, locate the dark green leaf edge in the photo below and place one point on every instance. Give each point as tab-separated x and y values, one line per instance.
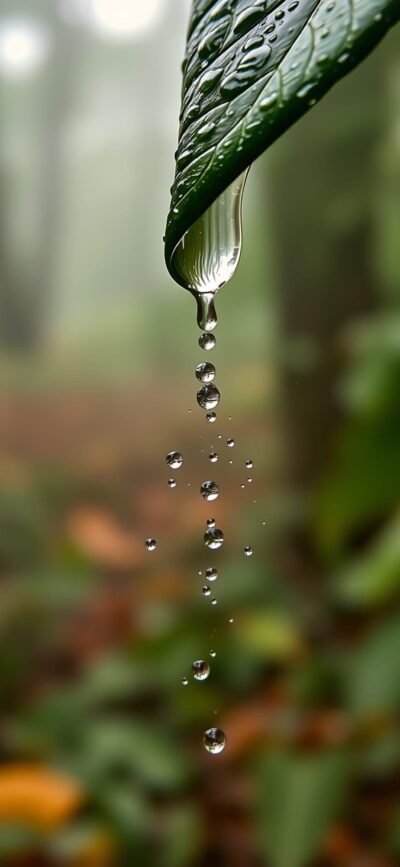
227	154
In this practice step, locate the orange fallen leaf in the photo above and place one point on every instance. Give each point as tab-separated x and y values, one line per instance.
37	796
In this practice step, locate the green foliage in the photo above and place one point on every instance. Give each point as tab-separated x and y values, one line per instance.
373	682
299	797
250	71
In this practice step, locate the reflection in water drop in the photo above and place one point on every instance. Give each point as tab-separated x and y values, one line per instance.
214	601
248	551
151	544
213	457
174	460
214	740
211	523
230	443
213	654
171	483
185	681
213	539
212	574
211	417
208	254
205	371
200	669
209	490
206	590
208	396
249	464
207	341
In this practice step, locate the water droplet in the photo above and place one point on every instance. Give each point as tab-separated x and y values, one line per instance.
230	620
230	443
305	89
209	80
213	457
249	479
208	397
267	101
249	464
185	681
200	669
205	371
206	130
213	539
242	486
207	341
193	111
211	417
209	490
206	590
343	57
151	544
212	574
212	41
171	483
211	523
293	6
279	15
174	460
255	59
264	523
254	42
250	16
214	601
248	551
214	741
213	654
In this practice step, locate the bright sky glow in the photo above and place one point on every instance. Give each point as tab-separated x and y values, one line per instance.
124	19
23	48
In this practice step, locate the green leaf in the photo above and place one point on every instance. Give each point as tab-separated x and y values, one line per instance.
374	576
374	677
251	70
299	798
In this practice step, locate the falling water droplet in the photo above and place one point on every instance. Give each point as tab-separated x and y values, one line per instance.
171	483
206	590
209	490
211	523
151	544
174	460
200	669
214	741
214	539
205	371
230	443
213	457
213	654
208	397
214	601
212	574
249	480
185	681
249	464
207	341
248	551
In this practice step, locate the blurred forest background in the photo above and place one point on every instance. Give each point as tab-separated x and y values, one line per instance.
102	762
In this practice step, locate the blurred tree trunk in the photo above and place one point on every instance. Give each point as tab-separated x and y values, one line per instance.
324	208
25	292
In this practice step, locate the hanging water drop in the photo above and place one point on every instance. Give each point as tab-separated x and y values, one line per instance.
214	741
205	372
208	397
214	539
174	460
207	341
212	574
209	490
200	669
151	544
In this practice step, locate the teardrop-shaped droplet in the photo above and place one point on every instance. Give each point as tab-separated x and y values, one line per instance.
208	254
